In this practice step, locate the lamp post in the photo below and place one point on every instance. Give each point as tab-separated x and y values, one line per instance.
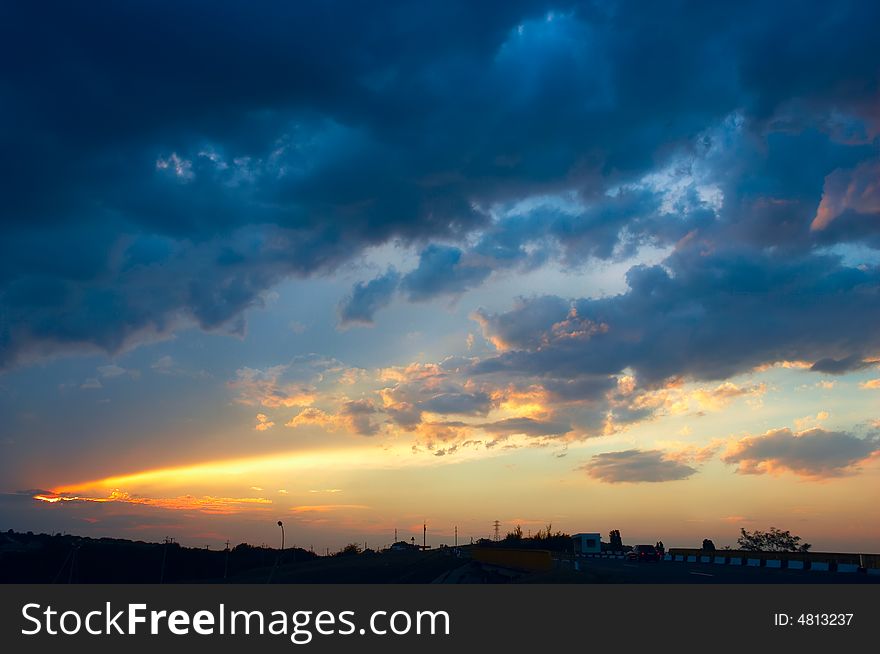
277	558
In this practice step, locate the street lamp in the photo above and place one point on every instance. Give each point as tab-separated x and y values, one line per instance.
277	558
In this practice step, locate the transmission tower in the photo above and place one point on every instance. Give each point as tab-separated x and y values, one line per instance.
497	526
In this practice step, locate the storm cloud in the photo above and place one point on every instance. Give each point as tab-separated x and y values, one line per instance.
177	162
705	315
368	297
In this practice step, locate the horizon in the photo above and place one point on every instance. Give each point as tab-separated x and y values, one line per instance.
363	268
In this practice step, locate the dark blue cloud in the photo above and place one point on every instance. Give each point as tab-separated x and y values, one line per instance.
368	297
165	165
705	314
442	271
833	366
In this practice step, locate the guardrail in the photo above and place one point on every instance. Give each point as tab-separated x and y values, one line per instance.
845	562
816	561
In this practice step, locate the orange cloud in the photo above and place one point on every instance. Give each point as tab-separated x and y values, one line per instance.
314	416
354	416
412	372
266	388
205	504
263	422
795	365
529	403
675	399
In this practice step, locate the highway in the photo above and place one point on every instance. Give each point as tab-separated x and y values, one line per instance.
677	572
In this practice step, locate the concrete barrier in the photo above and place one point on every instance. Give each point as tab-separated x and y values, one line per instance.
520	559
846	562
668	557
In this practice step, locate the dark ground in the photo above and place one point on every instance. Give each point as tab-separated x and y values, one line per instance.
41	558
380	568
676	572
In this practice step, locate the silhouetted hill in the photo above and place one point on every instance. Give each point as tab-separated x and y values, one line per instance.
43	558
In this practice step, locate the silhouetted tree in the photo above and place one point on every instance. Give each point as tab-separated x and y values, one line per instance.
351	548
774	540
708	545
516	534
614	540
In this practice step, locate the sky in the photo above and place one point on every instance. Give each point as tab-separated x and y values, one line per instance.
366	267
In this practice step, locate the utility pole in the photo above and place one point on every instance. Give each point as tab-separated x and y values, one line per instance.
395	534
456	535
164	555
424	535
226	563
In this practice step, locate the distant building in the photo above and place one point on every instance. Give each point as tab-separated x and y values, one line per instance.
587	543
403	546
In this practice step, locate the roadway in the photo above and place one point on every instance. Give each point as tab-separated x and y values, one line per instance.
678	572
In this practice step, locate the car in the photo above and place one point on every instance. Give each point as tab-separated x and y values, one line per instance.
643	553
